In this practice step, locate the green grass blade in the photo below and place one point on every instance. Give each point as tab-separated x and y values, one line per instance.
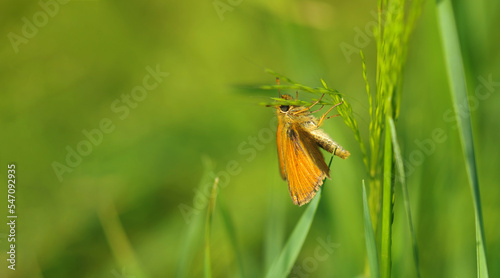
387	204
117	238
275	227
456	78
284	263
402	181
188	246
207	267
208	225
194	220
371	244
231	232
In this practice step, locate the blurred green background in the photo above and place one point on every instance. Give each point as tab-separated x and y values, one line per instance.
116	211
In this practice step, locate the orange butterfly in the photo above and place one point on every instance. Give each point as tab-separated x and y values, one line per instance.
300	159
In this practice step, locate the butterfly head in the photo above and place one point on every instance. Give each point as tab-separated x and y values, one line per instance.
285	108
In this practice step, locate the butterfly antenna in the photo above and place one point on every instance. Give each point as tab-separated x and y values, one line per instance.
278	82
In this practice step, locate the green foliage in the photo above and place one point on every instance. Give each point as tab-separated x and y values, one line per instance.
129	204
387	207
191	237
396	23
118	240
288	255
231	233
404	189
371	243
384	106
283	264
456	79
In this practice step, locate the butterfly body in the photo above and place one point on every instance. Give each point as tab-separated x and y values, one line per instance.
301	162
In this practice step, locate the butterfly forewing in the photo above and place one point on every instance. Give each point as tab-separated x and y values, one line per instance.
304	167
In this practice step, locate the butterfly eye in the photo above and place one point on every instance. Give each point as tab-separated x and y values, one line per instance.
284	108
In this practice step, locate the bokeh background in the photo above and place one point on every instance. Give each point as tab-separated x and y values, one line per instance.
117	211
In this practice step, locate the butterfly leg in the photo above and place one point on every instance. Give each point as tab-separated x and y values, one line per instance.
316	102
318	109
324	115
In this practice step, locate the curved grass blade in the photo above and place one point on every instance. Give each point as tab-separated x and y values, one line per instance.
456	78
371	244
402	180
284	263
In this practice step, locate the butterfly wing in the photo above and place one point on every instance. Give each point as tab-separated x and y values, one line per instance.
303	164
